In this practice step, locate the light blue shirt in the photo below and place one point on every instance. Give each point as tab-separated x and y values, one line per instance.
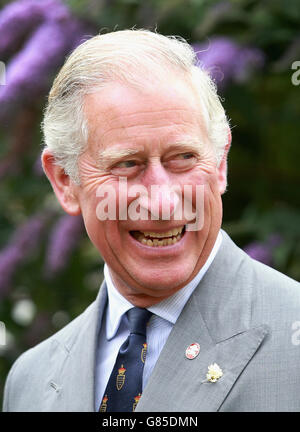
115	329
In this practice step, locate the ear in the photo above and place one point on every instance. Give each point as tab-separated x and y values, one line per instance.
64	188
222	169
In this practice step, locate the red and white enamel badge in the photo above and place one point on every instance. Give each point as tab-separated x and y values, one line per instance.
192	351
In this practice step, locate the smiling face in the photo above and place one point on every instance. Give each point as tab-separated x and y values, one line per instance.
154	136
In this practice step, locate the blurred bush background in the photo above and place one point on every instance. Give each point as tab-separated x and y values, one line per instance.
49	271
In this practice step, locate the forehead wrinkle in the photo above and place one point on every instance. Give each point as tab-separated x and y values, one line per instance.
139	131
122	123
148	113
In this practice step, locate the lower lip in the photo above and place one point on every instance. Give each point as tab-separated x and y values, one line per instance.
160	250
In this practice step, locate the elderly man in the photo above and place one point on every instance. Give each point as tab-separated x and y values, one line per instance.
136	140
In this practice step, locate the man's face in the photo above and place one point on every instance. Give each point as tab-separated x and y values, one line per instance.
154	136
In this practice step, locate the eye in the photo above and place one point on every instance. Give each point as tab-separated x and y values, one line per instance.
127	168
126	164
186	156
181	162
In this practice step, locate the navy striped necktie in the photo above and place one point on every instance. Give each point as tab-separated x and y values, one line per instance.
125	384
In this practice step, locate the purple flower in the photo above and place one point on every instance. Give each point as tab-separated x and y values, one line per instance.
56	10
64	238
259	252
263	251
225	60
22	244
17	20
247	61
27	235
20	18
28	74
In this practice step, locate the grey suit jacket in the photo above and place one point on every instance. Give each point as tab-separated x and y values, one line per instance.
242	314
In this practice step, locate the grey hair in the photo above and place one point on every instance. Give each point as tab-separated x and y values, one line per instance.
128	56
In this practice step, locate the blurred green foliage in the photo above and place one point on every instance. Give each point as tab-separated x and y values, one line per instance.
263	180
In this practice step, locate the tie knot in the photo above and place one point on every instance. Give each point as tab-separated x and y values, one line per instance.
138	319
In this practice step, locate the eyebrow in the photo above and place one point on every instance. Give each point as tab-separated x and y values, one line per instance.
109	156
192	145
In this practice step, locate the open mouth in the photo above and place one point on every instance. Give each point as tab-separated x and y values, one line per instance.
159	239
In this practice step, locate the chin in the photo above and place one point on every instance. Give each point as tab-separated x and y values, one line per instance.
163	283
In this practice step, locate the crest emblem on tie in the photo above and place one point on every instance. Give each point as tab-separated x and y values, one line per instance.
121	377
144	352
103	405
136	400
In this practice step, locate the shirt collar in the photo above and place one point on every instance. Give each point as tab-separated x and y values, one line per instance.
168	309
117	306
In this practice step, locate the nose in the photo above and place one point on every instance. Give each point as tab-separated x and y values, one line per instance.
163	198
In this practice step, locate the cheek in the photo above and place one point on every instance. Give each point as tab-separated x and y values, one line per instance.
202	173
88	204
202	189
98	194
100	210
92	223
200	182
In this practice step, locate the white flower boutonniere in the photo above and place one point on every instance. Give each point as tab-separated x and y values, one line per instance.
214	373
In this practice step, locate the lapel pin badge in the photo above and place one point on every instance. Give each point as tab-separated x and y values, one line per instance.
192	351
214	373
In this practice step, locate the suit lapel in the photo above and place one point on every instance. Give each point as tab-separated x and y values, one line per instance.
178	384
218	317
70	383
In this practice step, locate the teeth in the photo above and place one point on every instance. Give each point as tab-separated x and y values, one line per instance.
172	233
161	239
